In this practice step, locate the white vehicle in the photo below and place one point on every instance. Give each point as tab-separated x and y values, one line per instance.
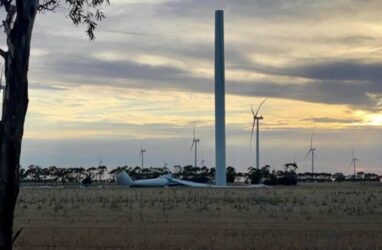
123	179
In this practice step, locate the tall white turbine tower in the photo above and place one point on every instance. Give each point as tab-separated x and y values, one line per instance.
220	152
256	121
312	152
141	156
353	162
195	142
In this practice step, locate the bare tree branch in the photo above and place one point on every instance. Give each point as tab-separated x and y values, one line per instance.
6	4
7	23
3	53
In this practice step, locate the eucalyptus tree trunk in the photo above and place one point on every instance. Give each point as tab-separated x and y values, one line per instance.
15	107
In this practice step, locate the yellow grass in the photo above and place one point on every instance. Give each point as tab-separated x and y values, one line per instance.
311	216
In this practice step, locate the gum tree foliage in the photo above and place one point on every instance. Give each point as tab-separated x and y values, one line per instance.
17	21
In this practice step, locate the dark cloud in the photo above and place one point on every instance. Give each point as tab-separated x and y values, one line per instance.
116	69
325	88
46	86
319	69
332	120
336	70
254	8
130	33
272	10
351	40
334	81
329	92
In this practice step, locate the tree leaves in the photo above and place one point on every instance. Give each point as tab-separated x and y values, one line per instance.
87	12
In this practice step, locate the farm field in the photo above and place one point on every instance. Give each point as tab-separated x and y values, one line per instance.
307	216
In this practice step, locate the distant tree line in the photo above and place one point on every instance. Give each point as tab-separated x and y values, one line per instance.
62	175
101	174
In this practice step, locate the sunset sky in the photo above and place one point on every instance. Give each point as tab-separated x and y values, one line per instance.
148	77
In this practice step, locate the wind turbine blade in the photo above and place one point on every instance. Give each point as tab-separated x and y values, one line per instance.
351	163
315	154
192	145
253	128
261	104
253	113
307	153
352	153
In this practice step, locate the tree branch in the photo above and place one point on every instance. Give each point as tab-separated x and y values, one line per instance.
6	4
87	12
3	53
49	5
7	23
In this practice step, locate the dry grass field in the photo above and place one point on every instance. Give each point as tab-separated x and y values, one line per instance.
310	216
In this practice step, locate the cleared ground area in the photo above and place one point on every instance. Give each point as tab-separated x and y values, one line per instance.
310	216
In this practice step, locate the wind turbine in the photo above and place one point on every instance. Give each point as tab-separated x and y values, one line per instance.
100	162
141	156
203	163
311	151
256	121
353	161
195	142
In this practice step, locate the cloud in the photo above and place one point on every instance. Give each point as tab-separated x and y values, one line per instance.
129	74
115	69
340	70
46	86
332	120
183	31
323	52
329	92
